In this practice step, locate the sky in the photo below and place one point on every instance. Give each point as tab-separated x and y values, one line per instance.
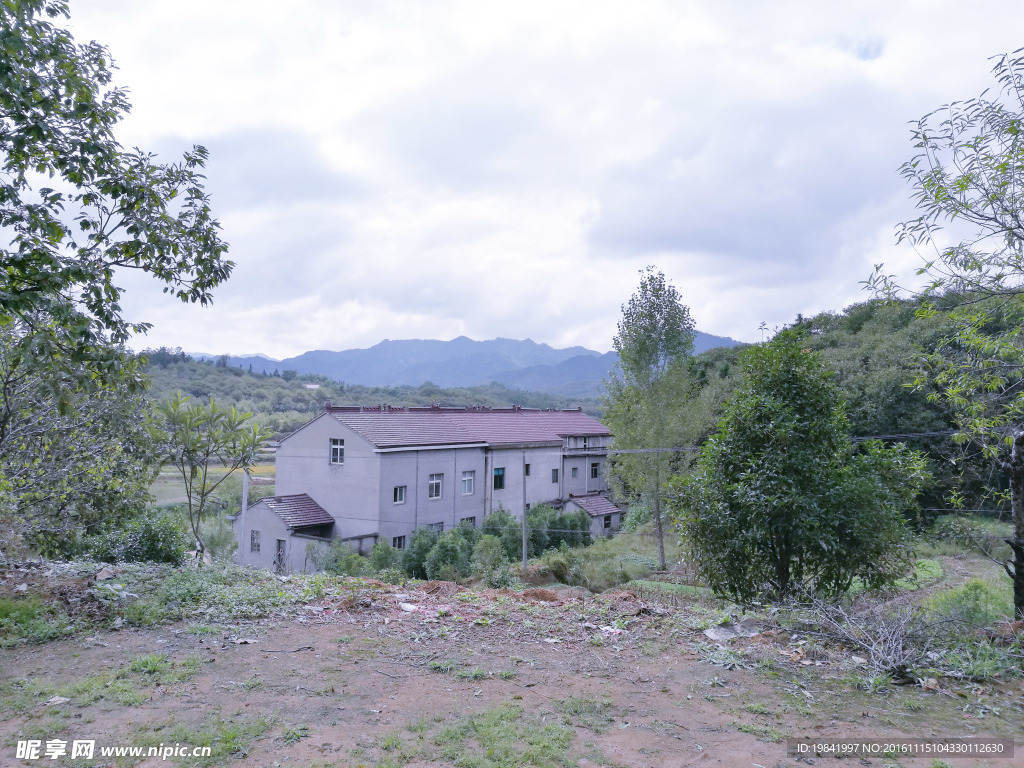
395	169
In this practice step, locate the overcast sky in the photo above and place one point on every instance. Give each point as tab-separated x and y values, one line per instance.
434	169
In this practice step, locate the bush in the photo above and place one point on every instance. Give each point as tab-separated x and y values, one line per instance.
151	538
976	603
491	563
448	559
219	536
781	502
384	557
414	558
337	558
508	530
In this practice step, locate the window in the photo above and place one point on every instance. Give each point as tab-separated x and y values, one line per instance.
398	542
574	472
584	443
594	470
337	451
554	475
434	486
435	527
527	470
254	541
469	521
499	478
399	494
607	522
468	480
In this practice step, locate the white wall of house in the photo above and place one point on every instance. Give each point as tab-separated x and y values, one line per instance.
270	530
348	492
540	486
360	492
413	470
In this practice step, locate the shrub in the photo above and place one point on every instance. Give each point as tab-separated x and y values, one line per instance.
384	557
337	558
491	563
976	603
780	501
448	559
414	558
219	537
509	530
151	538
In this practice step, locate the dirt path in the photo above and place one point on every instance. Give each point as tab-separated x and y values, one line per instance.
437	676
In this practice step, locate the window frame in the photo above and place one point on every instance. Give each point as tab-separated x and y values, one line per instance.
399	494
595	470
499	479
554	475
468	481
398	542
337	454
254	542
435	485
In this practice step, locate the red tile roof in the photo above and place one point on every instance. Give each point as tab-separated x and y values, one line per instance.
298	511
387	427
594	505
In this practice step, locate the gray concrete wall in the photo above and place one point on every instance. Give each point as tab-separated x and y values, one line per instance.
348	492
261	518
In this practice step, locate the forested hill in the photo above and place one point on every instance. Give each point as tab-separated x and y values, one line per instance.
875	350
461	362
287	400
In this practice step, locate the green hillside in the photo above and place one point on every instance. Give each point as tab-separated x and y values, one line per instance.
285	400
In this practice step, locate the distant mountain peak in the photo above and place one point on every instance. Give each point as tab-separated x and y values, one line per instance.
460	362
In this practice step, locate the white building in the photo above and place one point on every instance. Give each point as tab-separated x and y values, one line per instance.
383	472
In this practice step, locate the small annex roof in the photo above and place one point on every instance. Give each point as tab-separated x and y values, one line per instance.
594	505
298	511
389	427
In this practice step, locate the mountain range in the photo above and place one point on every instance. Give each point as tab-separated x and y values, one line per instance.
461	362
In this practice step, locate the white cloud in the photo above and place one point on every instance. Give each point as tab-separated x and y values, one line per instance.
401	169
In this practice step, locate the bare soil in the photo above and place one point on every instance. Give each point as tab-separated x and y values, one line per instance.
344	682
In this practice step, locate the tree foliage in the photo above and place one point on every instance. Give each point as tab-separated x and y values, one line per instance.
648	393
206	443
74	452
75	206
779	501
968	174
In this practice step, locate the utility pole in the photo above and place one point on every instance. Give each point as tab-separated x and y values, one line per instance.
524	509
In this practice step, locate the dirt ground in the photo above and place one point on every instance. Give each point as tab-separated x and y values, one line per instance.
390	680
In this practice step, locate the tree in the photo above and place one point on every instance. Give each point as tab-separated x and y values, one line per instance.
74	452
780	501
969	172
199	436
105	208
654	341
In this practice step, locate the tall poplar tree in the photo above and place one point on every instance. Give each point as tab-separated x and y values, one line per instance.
654	341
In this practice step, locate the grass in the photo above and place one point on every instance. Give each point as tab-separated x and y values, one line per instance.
472	674
29	620
128	686
763	732
586	712
609	562
926	571
227	738
503	738
295	734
